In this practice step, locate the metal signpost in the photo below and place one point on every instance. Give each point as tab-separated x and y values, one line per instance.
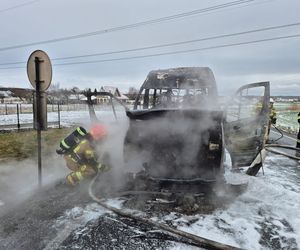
39	71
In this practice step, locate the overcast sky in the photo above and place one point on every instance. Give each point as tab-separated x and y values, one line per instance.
277	61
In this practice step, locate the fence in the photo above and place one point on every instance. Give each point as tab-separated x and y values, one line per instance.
287	106
20	116
10	118
7	109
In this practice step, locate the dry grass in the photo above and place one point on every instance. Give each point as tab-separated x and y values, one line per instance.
23	144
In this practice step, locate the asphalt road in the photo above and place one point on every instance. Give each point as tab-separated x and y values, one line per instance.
28	225
287	139
31	225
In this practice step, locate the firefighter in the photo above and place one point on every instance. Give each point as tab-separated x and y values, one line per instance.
79	151
298	137
273	115
257	108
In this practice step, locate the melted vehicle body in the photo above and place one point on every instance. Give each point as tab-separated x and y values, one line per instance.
176	126
178	131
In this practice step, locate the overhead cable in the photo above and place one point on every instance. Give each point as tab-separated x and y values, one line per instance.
134	25
184	51
18	6
172	52
167	44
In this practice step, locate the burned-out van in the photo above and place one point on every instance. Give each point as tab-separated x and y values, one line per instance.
178	130
176	126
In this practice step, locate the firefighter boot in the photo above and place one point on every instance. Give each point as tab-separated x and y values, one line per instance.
74	178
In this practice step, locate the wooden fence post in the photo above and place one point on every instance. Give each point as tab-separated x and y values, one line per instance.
18	117
58	112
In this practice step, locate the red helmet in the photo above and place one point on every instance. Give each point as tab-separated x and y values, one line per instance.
98	131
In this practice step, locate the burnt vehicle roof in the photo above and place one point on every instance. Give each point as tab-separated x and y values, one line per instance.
182	78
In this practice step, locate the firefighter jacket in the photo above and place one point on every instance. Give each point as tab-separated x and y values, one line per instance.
298	137
273	115
258	108
82	158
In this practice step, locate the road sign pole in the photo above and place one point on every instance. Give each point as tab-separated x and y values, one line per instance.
38	113
39	71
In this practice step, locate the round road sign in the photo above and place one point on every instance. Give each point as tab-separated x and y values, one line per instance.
45	69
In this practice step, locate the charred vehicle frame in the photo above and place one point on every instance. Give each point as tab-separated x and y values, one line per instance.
178	131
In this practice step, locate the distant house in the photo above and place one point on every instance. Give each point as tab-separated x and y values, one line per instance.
15	95
84	99
6	97
77	98
286	98
114	91
3	95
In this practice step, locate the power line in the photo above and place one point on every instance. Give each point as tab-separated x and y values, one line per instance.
182	42
173	52
134	25
19	5
169	44
184	51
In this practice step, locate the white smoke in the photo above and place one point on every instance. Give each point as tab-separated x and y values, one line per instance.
19	179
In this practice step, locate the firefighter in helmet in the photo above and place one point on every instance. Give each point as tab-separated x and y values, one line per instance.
273	115
298	138
79	151
258	107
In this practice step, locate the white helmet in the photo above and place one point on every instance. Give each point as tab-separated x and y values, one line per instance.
271	100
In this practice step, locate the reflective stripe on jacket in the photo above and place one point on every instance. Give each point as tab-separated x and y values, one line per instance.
83	155
273	114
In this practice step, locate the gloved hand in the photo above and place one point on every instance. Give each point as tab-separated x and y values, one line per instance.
60	151
71	180
93	162
103	167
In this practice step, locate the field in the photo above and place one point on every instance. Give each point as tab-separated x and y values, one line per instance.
287	114
23	144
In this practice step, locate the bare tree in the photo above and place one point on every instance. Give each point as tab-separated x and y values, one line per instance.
66	95
76	91
132	93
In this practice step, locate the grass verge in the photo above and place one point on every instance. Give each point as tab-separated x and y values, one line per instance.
23	144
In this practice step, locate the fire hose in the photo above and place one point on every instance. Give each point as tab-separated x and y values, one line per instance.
268	146
273	145
195	239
